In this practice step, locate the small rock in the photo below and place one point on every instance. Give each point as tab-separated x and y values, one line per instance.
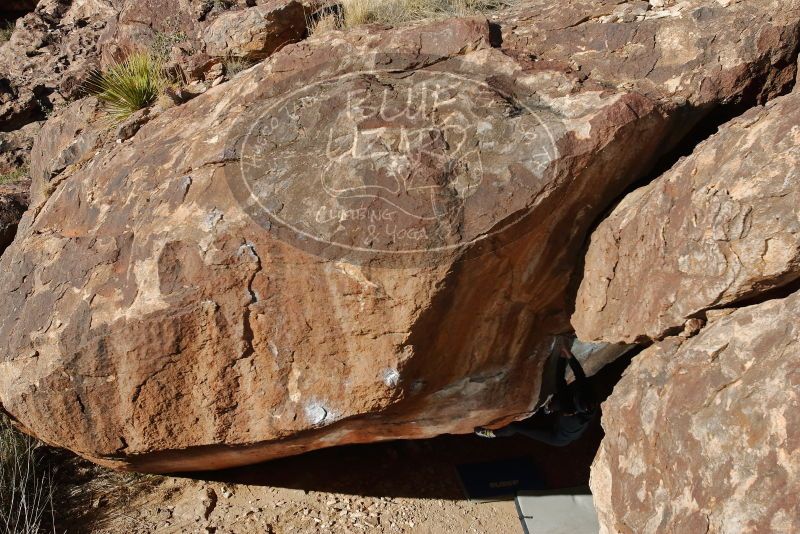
132	124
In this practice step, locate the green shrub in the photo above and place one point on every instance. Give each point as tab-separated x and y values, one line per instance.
26	489
6	30
130	85
14	176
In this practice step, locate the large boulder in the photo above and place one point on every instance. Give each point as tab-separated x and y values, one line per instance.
701	434
369	236
720	227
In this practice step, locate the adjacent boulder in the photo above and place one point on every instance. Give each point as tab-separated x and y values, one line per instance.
256	32
720	227
668	46
369	236
701	434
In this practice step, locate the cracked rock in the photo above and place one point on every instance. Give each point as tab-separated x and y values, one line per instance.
721	226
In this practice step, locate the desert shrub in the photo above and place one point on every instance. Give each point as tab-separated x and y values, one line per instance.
219	4
235	65
6	29
14	176
395	12
163	43
324	23
26	489
129	85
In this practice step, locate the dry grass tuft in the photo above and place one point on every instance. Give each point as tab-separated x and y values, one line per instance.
396	12
26	484
323	24
235	65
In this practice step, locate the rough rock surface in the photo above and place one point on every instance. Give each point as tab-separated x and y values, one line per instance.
69	137
147	24
721	226
701	434
44	65
257	32
159	321
15	147
49	56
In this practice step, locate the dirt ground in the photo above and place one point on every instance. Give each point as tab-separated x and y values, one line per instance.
180	506
394	487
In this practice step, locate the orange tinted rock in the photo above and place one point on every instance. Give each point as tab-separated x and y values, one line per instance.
191	299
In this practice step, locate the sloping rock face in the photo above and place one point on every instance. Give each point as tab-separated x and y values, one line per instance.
369	236
701	434
721	226
69	137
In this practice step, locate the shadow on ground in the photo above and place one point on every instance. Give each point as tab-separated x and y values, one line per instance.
426	468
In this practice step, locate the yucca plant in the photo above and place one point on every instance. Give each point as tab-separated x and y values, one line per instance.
129	85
